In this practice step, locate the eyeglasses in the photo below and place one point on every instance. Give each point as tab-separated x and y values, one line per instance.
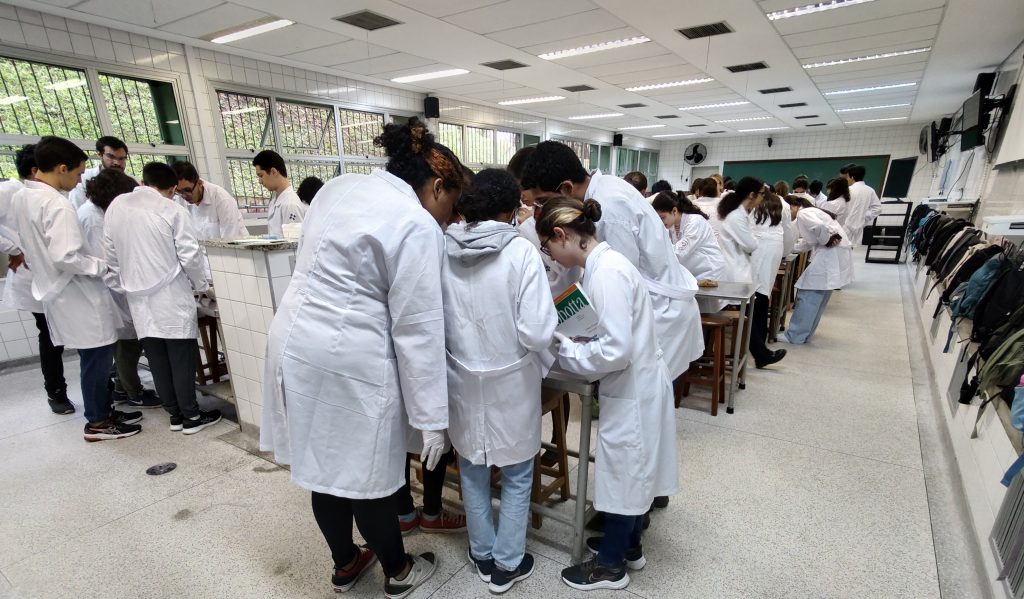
115	158
544	247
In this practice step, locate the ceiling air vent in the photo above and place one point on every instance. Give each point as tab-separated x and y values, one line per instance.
793	105
708	30
714	132
750	66
696	125
667	116
578	88
633	105
368	20
775	90
504	65
807	116
816	125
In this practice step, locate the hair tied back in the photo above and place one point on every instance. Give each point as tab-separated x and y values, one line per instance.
417	139
592	210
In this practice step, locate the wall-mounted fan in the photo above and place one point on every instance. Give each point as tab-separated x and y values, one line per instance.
695	154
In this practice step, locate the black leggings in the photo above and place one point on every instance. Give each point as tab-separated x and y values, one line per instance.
377	523
759	329
51	359
433	485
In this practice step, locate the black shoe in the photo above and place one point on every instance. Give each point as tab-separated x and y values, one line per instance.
503	580
344	579
590	575
126	417
146	399
192	426
484	567
59	403
176	423
635	559
423	567
660	503
773	357
107	430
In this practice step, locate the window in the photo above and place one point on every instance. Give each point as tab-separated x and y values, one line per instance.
358	129
451	135
479	146
142	112
244	185
307	129
245	122
323	170
38	99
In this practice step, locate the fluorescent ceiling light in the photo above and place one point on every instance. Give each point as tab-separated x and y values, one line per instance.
630	41
12	100
249	30
874	107
840	92
642	88
174	122
813	8
587	117
762	129
523	122
830	63
243	110
635	127
753	118
895	118
451	108
719	105
674	135
530	100
432	75
70	83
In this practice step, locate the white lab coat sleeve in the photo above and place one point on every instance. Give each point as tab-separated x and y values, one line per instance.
230	219
874	208
65	245
8	247
741	233
292	213
789	233
621	236
190	255
417	327
688	233
536	318
112	276
77	195
613	349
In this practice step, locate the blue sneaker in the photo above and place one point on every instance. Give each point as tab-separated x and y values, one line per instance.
484	567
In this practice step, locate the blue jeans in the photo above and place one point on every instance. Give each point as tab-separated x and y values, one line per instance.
810	305
95	363
620	533
507	544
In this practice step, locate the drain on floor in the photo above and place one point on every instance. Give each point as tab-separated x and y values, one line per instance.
161	468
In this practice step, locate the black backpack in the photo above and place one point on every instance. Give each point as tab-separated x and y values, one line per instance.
968	268
942	237
955	251
999	304
927	232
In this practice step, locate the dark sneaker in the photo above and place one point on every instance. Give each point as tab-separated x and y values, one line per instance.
206	419
176	423
549	458
660	503
446	522
146	399
119	396
107	430
773	357
635	559
590	575
503	580
407	525
126	417
423	567
484	567
346	578
59	403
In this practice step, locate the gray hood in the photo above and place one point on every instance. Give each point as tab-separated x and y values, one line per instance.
469	244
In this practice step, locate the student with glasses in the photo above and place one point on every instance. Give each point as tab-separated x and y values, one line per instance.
113	153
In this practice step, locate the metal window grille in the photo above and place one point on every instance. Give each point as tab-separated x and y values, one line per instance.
39	99
132	110
250	195
300	169
357	132
451	136
307	129
479	146
246	121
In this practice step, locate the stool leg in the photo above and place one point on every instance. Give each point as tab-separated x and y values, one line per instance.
535	518
716	371
563	457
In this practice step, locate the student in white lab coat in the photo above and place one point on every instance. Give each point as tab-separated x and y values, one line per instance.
308	189
499	317
18	285
101	191
708	198
68	282
772	226
735	237
800	187
818	197
638	180
356	354
285	206
691	236
155	259
113	154
838	199
214	212
831	267
636	435
860	209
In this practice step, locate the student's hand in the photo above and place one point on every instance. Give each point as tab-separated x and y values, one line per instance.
433	448
15	262
561	338
834	241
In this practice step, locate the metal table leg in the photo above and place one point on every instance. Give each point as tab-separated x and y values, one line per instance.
736	359
582	479
746	349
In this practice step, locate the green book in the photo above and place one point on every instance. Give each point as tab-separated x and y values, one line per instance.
576	316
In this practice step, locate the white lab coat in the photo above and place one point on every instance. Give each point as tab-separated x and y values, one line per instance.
830	268
636	434
285	208
66	280
631	227
708	205
559	277
90	216
155	260
77	195
820	200
859	212
738	243
356	349
773	244
18	285
499	317
696	248
217	216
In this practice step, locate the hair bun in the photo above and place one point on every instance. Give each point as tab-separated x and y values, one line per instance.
592	210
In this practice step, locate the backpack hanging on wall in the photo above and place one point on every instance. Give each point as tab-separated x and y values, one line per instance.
1001	301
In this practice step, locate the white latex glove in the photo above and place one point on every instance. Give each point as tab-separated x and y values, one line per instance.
433	448
561	338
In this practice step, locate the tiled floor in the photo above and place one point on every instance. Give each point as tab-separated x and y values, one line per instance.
813	488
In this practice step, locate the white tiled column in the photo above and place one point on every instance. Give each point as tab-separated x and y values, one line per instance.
18	334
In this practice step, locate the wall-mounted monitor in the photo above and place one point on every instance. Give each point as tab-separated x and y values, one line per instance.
973	128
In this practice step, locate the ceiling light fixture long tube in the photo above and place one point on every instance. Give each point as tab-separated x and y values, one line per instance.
895	118
880	107
753	118
719	105
675	135
832	63
630	41
635	127
251	30
530	100
874	88
430	75
12	100
587	117
812	8
643	88
762	129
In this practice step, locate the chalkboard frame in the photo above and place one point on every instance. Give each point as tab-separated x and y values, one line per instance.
876	182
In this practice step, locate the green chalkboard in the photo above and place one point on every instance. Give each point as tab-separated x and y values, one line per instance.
822	169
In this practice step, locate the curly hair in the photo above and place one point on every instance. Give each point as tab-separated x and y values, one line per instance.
493	192
107	185
414	156
550	164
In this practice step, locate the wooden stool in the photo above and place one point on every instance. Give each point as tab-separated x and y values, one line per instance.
710	369
559	472
217	368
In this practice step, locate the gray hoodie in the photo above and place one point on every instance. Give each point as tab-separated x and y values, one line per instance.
469	244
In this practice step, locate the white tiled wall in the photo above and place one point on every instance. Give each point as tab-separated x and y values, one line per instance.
249	286
18	335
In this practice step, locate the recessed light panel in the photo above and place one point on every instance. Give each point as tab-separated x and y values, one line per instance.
718	105
875	88
746	120
675	135
762	129
643	88
431	75
632	41
839	61
879	107
249	29
897	118
637	127
589	117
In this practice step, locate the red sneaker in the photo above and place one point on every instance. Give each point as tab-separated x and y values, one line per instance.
446	522
346	578
411	525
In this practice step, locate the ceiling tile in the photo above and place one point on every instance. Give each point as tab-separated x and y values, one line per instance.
599	25
459	80
665	60
631	53
846	31
387	64
870	12
287	40
883	42
517	13
213	20
347	51
148	14
443	8
654	76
